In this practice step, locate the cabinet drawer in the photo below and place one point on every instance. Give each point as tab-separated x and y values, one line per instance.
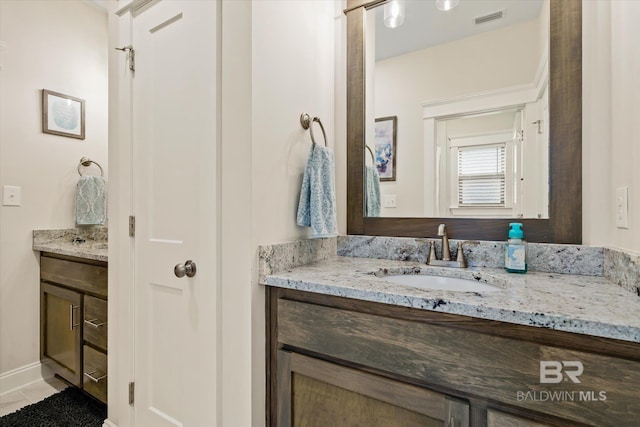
84	277
95	321
95	373
500	419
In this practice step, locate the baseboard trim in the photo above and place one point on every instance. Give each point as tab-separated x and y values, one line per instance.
23	376
108	423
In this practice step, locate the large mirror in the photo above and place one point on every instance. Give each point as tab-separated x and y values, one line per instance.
470	116
468	90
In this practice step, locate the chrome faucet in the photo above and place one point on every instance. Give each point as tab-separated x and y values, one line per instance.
445	260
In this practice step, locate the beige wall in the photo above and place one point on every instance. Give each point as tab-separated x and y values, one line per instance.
292	73
611	136
625	111
293	60
239	395
405	82
60	46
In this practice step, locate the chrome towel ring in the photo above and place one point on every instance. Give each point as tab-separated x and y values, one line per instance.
86	162
306	121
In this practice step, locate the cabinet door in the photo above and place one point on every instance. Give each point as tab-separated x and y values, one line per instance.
314	393
61	331
500	419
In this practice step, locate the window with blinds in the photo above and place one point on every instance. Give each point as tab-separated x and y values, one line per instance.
481	175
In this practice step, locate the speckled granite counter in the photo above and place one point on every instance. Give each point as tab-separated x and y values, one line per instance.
61	242
590	305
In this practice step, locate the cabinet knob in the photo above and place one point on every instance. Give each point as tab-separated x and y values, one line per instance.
187	269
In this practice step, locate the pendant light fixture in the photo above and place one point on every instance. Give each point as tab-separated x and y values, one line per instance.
394	13
445	5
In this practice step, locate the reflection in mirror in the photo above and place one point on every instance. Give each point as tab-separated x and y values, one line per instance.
462	92
483	167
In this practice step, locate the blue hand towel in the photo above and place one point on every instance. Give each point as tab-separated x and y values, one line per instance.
317	206
91	201
372	188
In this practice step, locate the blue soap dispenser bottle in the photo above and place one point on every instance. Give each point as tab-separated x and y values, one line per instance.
515	253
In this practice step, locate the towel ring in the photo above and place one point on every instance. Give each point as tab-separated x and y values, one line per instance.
86	162
373	158
306	121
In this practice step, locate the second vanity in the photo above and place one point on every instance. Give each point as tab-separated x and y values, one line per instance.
73	306
545	349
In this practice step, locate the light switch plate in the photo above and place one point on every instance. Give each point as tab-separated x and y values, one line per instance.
622	207
390	201
11	195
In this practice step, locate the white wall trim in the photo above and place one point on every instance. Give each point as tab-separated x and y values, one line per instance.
480	101
542	74
108	423
431	175
135	7
23	376
120	310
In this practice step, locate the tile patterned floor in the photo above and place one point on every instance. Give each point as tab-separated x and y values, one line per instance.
17	399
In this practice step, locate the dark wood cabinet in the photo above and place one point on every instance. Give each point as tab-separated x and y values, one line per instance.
331	358
73	321
316	393
501	419
61	336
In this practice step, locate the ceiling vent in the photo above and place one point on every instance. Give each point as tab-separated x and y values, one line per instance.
490	17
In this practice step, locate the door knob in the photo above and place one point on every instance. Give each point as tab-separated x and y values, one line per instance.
187	269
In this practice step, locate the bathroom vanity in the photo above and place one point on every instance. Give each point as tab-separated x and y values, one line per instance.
73	310
347	347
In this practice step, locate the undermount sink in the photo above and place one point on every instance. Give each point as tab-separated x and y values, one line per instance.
455	284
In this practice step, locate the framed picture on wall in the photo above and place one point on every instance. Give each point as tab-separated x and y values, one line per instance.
385	147
62	114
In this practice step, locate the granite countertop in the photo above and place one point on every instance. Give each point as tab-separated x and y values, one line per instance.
590	305
61	242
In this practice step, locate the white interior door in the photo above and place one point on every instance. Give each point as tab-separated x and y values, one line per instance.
175	197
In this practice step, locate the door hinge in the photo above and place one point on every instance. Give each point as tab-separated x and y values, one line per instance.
131	392
132	226
131	56
521	135
539	124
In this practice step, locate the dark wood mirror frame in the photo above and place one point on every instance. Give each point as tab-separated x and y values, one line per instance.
565	141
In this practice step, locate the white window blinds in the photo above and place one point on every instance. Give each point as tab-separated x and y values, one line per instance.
481	175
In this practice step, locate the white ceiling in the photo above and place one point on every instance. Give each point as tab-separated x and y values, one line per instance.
425	26
99	4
